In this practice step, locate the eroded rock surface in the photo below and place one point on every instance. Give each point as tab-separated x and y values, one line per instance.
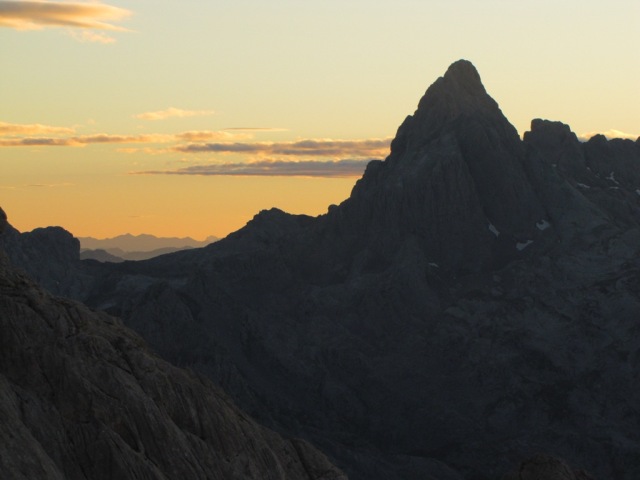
82	397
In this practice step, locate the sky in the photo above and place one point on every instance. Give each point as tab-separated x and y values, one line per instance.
186	118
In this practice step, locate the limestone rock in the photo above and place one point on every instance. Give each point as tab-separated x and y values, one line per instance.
82	397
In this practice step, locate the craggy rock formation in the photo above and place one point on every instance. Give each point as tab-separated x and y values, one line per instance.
49	255
475	300
82	397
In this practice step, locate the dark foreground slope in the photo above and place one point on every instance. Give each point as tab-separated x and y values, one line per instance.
475	301
81	397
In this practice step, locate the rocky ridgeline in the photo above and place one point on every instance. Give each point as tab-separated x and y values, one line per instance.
475	301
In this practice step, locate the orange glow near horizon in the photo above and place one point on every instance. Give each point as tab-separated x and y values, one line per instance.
142	117
134	204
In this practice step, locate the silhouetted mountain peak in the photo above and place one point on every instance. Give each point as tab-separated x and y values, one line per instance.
458	91
464	72
454	177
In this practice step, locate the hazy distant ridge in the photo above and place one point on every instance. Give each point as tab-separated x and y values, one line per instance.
142	243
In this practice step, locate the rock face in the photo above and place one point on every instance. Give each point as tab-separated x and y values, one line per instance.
456	167
81	397
49	255
475	300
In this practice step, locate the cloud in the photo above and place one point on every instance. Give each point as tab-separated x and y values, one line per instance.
36	185
27	15
32	129
88	36
49	185
207	135
273	168
82	140
108	138
609	134
199	141
256	129
313	147
172	112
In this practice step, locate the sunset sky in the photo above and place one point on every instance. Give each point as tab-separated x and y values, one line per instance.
185	118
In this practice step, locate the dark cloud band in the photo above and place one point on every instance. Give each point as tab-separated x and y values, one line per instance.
277	168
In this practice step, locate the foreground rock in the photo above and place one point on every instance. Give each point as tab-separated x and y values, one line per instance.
81	397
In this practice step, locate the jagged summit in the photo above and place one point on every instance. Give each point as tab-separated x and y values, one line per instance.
458	91
463	70
454	177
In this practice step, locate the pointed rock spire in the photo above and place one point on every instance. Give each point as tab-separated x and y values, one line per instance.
456	168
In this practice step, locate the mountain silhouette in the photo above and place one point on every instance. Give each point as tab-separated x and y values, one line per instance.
474	301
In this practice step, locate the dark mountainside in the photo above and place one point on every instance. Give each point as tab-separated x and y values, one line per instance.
81	397
117	255
474	302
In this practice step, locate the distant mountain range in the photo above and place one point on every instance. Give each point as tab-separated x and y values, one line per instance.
475	301
135	247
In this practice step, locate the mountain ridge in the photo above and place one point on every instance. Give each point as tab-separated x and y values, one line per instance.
142	243
473	302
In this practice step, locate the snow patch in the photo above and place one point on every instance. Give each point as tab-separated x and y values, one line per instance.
582	185
434	265
543	225
638	191
494	230
522	245
613	178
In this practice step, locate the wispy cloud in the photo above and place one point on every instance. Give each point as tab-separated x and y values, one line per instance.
82	140
49	185
609	134
36	185
89	36
273	168
16	135
88	16
172	112
256	129
209	135
32	129
311	147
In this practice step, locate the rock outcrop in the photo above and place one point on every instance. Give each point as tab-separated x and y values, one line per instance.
49	255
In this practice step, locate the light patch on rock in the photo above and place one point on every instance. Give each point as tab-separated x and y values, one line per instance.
613	178
494	230
522	245
434	265
543	225
582	185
